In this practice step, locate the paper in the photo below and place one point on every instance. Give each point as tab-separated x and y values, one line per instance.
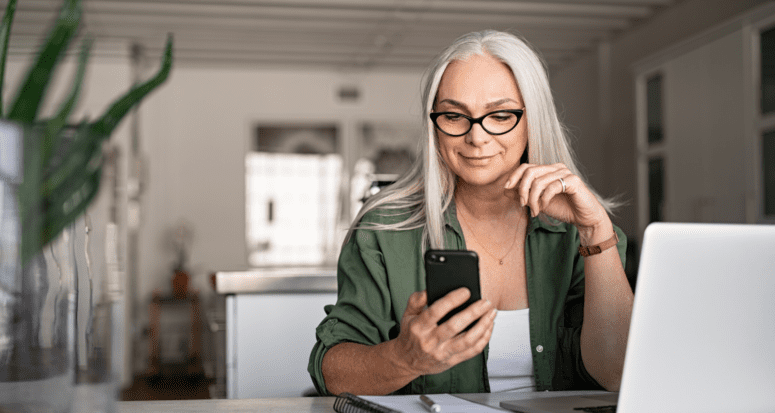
448	403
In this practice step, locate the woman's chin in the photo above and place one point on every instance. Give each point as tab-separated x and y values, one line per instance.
479	179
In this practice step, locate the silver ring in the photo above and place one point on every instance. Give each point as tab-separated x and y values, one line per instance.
563	185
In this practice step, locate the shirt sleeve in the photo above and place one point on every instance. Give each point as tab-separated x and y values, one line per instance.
572	374
363	311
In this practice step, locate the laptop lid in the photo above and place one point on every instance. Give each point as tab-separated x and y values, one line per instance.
702	335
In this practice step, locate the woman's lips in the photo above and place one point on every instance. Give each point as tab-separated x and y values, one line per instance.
477	160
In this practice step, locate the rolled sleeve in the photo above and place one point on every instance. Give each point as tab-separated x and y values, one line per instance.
362	313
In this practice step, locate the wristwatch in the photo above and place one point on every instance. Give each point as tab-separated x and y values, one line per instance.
597	249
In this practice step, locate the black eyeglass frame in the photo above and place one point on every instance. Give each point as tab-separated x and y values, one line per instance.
472	121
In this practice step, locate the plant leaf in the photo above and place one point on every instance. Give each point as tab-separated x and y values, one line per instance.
47	210
56	214
29	202
54	126
30	94
110	119
5	35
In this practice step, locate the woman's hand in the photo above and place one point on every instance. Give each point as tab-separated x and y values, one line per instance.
426	348
540	188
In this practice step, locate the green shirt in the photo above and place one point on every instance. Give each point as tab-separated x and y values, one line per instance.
379	270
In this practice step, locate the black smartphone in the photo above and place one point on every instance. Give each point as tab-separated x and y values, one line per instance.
448	270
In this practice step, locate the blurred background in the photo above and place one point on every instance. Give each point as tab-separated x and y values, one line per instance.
233	184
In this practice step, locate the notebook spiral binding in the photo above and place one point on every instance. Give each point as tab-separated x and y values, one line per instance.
350	403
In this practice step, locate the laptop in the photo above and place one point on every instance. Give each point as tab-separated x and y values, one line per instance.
702	335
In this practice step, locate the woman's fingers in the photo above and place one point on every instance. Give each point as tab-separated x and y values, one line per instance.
538	187
457	323
524	176
545	187
416	303
445	304
431	348
465	346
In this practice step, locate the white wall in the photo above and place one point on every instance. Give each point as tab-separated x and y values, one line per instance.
613	168
195	134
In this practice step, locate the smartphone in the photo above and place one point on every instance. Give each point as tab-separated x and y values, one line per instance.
448	270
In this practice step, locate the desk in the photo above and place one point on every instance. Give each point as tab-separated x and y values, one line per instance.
300	404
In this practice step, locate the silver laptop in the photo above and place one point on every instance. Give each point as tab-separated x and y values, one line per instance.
702	336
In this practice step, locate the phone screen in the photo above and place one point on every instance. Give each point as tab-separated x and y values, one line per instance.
448	270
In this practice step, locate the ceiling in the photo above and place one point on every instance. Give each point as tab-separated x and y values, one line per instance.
331	33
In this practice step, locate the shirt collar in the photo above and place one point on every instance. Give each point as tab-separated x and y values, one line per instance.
450	218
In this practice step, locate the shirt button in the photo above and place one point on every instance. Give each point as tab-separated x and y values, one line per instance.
539	348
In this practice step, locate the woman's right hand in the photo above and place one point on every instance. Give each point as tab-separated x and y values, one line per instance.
424	347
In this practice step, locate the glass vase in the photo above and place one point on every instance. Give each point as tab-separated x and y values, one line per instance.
37	301
99	317
60	312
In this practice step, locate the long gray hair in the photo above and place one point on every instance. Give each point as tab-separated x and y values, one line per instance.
427	189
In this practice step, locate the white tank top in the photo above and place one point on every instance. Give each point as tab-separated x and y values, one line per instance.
510	361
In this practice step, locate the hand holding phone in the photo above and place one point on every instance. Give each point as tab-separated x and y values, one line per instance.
425	344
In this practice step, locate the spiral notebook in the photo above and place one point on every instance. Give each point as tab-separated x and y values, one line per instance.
349	403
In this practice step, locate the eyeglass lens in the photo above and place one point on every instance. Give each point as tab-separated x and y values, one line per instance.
495	123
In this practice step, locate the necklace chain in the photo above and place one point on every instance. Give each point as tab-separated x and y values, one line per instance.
513	242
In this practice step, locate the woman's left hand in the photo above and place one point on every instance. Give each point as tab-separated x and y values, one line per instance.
540	188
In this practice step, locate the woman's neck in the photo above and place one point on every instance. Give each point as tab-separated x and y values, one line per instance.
483	202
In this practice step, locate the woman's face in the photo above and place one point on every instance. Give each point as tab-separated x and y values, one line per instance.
475	87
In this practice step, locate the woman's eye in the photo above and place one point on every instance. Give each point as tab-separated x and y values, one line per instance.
452	117
502	117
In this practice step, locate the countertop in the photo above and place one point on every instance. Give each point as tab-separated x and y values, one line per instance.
277	280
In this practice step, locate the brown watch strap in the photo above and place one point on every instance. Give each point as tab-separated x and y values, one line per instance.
597	249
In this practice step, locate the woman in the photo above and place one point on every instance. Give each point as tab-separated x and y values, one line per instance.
497	177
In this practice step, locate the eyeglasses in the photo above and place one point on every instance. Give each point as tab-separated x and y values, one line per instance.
494	123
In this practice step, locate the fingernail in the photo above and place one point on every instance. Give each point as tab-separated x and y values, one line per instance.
522	201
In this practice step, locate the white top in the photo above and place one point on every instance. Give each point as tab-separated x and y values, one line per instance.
510	360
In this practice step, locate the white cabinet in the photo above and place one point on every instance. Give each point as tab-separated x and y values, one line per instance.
269	339
271	316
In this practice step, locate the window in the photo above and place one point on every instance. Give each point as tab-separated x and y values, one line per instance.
766	123
768	166
655	134
656	189
654	109
293	176
767	47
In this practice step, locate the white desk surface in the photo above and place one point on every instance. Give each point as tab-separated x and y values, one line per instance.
297	404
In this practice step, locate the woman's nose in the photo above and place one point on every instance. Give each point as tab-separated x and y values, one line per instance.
477	136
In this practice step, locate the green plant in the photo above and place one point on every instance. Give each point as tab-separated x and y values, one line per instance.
61	176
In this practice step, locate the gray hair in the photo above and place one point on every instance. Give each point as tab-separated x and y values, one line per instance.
428	188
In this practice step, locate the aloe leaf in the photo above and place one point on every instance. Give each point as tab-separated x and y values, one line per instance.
74	164
70	161
54	126
56	219
29	201
30	94
58	214
79	155
53	209
110	119
5	35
